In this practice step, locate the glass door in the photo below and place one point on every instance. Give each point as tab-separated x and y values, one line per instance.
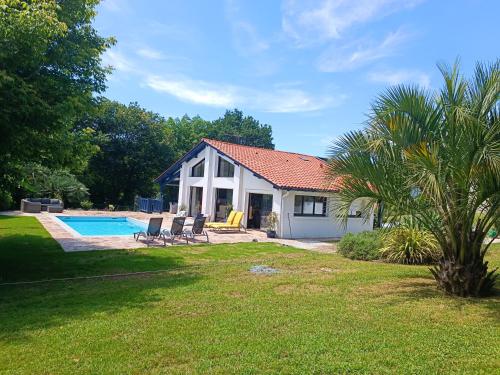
223	203
259	206
195	200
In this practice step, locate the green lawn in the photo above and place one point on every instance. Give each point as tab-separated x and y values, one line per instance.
321	314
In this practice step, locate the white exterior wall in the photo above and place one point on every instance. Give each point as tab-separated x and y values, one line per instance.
245	182
319	226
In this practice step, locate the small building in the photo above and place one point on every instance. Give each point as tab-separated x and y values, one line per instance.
215	177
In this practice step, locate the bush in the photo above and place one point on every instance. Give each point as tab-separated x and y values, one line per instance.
86	204
41	181
6	200
362	246
410	246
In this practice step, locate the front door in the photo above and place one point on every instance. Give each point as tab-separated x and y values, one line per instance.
259	206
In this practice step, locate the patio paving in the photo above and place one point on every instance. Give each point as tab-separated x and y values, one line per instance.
70	243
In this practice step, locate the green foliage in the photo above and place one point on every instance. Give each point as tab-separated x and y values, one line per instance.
40	181
6	200
272	221
362	246
86	204
409	246
134	147
232	127
435	157
50	68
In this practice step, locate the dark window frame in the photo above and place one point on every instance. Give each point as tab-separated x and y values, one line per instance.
219	161
357	214
202	161
316	199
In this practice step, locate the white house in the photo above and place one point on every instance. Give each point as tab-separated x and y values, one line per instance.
216	175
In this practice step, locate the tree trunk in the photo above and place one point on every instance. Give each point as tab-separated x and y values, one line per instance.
470	279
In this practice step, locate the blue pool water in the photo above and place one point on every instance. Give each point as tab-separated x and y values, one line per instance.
102	225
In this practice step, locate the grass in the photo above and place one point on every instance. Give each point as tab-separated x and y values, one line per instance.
207	314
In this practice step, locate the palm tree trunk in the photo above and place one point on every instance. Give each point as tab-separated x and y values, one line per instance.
465	278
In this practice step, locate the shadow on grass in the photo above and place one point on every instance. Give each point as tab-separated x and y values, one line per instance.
425	289
32	257
28	253
29	308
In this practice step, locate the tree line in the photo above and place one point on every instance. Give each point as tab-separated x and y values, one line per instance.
56	127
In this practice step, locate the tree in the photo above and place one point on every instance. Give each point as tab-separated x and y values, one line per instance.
436	157
232	127
50	68
186	133
41	181
134	147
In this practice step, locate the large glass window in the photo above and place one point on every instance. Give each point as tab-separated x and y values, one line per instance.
199	169
225	168
308	205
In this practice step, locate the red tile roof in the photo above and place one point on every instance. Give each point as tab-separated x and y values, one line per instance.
285	170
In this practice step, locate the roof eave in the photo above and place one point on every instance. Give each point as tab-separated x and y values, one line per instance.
178	164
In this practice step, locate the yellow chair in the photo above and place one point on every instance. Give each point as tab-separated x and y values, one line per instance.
229	221
235	224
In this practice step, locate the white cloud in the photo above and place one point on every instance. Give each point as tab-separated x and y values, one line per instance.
198	92
246	38
286	97
329	140
150	53
116	6
293	100
279	99
118	61
309	22
359	53
396	77
323	138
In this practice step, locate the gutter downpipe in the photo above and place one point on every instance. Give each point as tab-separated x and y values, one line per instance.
288	215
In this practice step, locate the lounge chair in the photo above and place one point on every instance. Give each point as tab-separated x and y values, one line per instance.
153	231
175	230
235	224
229	220
196	230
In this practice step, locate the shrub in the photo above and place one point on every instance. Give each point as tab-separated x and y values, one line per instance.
362	246
6	200
41	181
86	204
410	246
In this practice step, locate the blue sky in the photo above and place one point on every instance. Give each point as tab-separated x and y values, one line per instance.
310	69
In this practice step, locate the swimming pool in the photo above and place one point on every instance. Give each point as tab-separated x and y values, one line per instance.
102	225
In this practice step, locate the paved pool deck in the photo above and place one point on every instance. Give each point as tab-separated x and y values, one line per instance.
69	242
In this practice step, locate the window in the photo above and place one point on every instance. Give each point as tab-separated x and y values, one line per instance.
308	205
354	211
199	169
225	168
355	214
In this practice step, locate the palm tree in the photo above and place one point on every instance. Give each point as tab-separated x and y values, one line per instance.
435	157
